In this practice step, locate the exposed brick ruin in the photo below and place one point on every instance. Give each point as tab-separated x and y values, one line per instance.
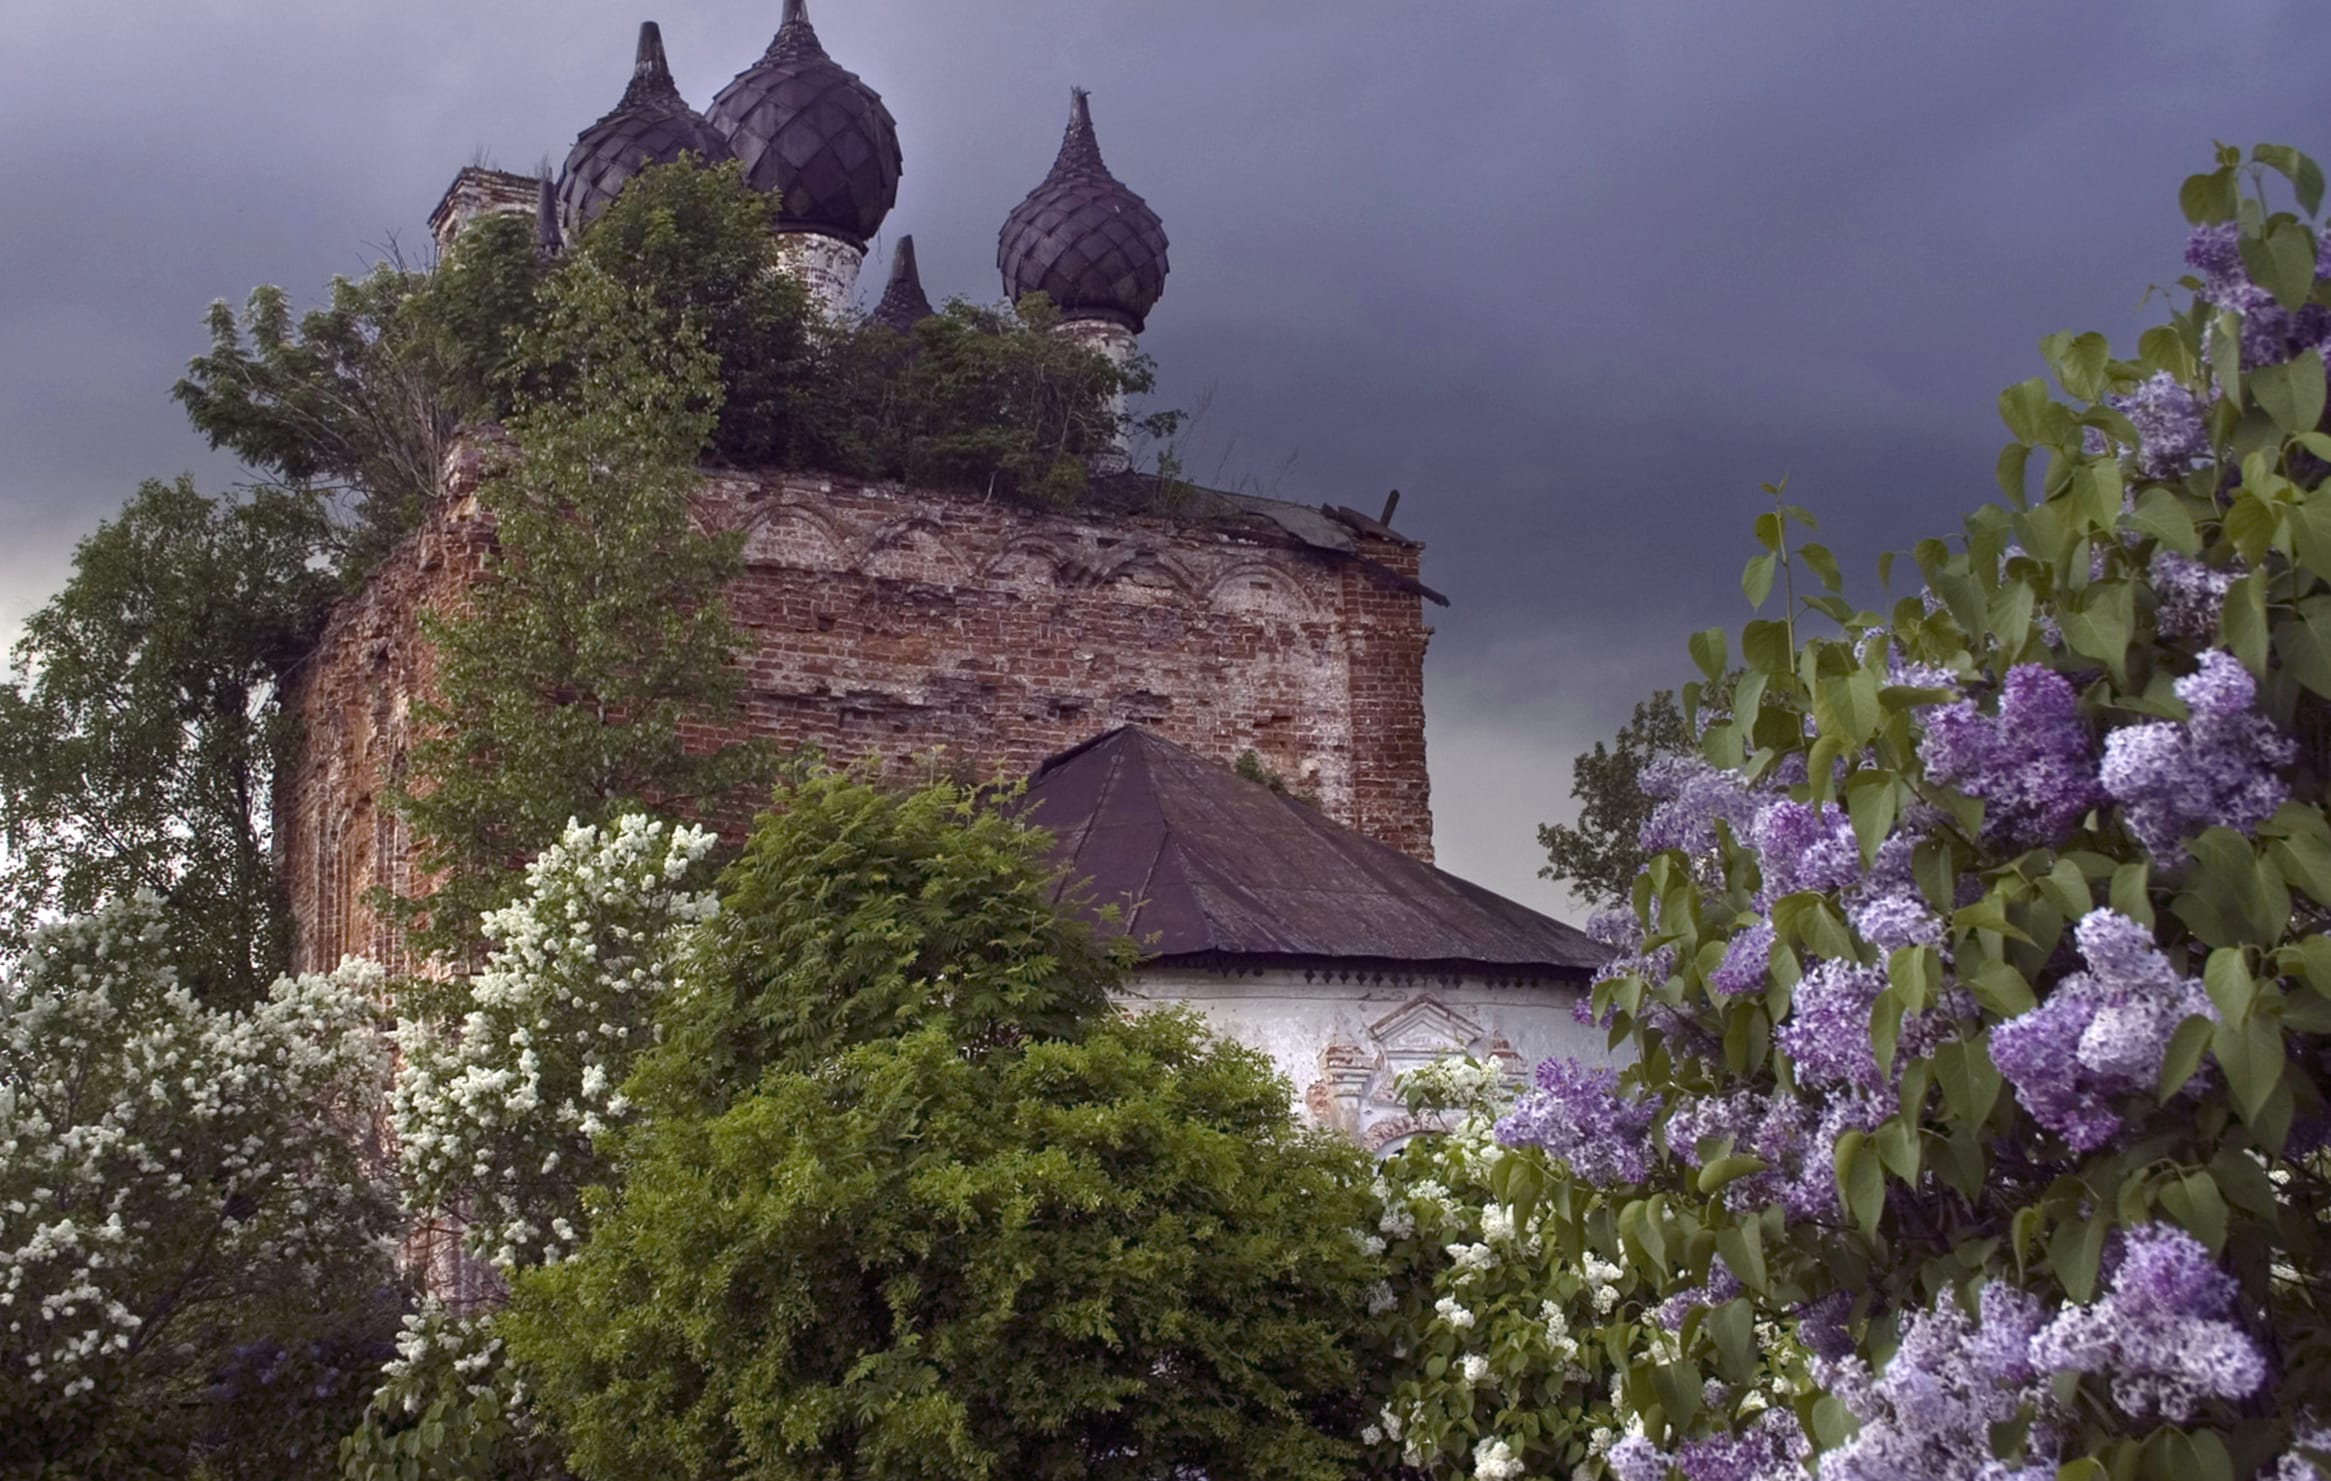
885	623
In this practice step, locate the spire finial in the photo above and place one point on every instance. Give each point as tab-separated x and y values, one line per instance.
1080	148
547	238
795	37
651	75
904	304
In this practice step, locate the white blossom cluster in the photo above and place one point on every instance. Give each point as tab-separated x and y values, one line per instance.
497	1118
163	1163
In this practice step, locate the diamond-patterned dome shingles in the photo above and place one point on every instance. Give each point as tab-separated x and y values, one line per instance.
1083	238
652	125
808	130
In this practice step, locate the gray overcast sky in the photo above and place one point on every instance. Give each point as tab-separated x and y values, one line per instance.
1574	275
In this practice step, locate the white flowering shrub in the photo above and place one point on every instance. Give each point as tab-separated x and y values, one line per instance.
1506	1330
501	1118
181	1188
498	1116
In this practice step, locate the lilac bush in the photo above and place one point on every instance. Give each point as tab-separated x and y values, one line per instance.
1977	988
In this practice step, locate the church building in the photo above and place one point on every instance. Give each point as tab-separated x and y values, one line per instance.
1147	664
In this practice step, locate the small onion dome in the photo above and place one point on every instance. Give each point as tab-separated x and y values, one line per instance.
810	132
653	125
904	304
1082	237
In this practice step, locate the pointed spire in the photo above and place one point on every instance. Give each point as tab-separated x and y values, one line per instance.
651	75
1080	148
904	304
547	239
795	35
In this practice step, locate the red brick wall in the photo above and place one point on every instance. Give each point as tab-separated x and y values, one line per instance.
887	623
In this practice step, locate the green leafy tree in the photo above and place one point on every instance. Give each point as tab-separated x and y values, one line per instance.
1600	855
932	1208
695	245
569	679
855	913
362	396
141	734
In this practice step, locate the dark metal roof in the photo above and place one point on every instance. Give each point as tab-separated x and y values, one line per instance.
810	132
904	304
1082	237
1223	870
652	125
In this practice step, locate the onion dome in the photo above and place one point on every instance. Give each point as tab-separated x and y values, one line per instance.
653	125
808	131
1082	237
904	304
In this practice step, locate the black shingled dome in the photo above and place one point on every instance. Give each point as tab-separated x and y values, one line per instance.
904	304
808	130
653	125
1082	237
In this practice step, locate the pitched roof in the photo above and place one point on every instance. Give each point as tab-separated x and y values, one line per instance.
1215	866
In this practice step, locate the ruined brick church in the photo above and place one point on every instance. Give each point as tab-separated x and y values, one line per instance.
1123	659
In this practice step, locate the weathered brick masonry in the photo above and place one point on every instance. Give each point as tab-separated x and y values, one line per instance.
885	623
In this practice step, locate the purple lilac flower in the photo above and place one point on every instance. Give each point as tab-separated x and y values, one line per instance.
2161	1333
1794	1135
2031	764
2215	769
1577	1114
2191	595
1635	1458
1747	957
2306	1435
1891	921
1800	846
1821	1327
1771	1448
1931	1412
2001	1346
1827	1032
1692	797
1720	1286
2271	333
2100	1034
2169	425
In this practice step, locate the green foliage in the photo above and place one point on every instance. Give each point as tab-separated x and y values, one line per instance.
1599	857
858	912
363	394
983	400
1112	1257
567	683
448	1410
140	738
695	246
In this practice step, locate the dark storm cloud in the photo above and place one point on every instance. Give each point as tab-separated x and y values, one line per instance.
1574	276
